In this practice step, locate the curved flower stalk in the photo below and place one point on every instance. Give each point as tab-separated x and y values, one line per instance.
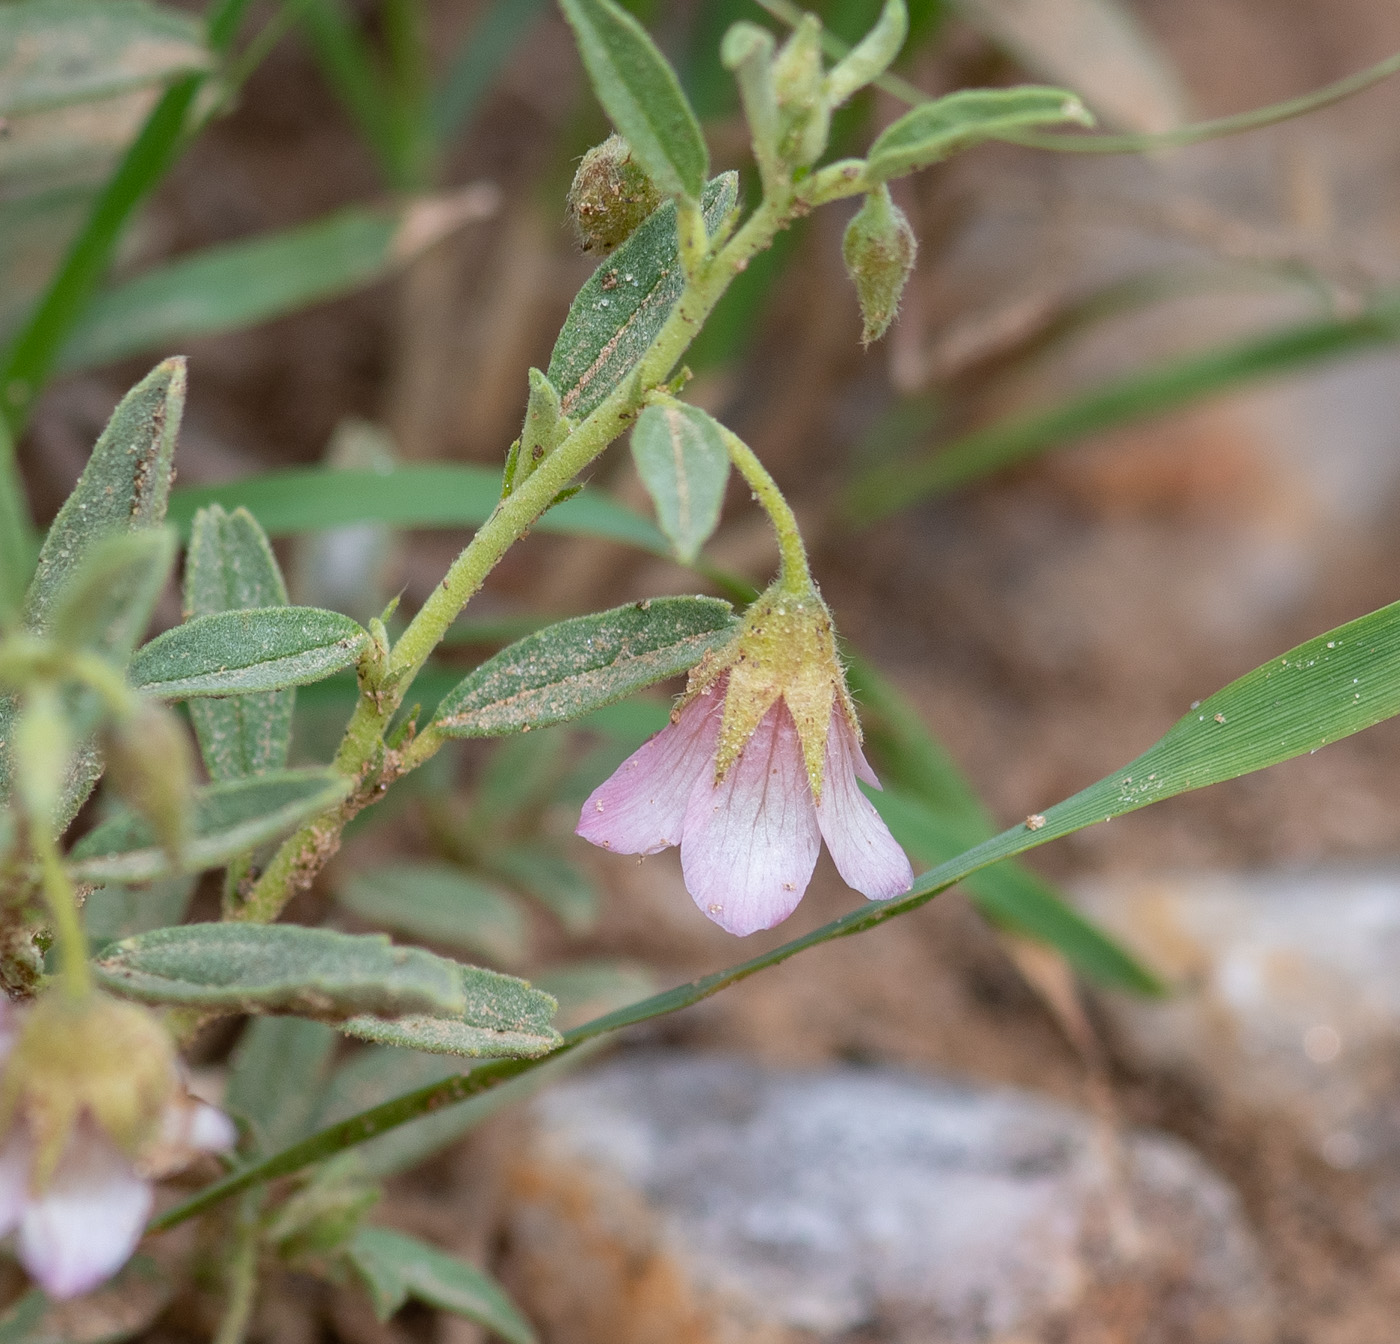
94	1112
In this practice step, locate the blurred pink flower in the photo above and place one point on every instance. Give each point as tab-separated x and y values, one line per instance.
78	1227
749	839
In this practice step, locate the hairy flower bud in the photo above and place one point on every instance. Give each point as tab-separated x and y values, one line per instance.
879	248
804	113
610	196
150	762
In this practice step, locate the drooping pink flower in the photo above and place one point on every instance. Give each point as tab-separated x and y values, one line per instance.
78	1218
758	767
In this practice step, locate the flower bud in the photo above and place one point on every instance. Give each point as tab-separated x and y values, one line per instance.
96	1057
150	763
879	249
611	195
804	114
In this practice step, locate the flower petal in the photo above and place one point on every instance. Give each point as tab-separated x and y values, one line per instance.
866	854
16	1157
639	809
751	841
85	1225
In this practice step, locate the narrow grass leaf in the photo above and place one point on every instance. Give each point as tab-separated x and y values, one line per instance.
504	1018
279	968
641	94
314	500
623	305
681	458
395	1267
440	903
237	652
568	669
19	547
57	52
230	567
229	819
932	131
1146	392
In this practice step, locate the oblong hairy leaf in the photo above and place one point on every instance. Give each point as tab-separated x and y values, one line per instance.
235	652
395	1267
616	315
279	968
641	94
504	1018
55	52
568	669
682	460
932	131
229	818
441	903
231	567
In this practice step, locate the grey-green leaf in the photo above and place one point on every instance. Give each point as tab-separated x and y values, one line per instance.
235	652
107	601
121	910
280	968
568	669
229	818
439	903
504	1018
641	94
617	314
124	487
56	52
680	455
932	131
560	886
276	1077
395	1267
231	567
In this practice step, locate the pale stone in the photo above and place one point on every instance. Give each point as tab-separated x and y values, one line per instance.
710	1201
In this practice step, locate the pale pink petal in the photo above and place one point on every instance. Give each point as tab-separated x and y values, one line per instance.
85	1225
640	808
211	1131
15	1159
865	853
751	842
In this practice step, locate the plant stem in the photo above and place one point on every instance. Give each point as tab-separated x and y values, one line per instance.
242	1274
794	575
67	924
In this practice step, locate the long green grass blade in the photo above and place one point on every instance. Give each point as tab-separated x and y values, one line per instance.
1133	397
19	546
474	69
312	500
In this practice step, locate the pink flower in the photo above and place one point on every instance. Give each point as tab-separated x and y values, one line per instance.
77	1224
749	830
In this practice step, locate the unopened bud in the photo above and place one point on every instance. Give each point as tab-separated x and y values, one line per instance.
150	763
804	114
611	195
879	249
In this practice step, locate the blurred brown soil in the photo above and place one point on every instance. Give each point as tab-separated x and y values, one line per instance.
1049	625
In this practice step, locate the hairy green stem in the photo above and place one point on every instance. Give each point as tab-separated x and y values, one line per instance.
62	901
795	574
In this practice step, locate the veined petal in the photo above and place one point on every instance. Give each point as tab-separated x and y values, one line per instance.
865	853
85	1225
640	807
751	841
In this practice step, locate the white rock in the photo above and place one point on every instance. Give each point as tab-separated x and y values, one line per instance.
707	1199
1287	995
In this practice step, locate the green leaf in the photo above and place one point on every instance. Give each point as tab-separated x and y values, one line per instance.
395	1267
617	314
682	460
18	545
119	910
280	968
235	652
504	1018
932	131
276	1074
1143	393
483	54
107	602
56	52
240	284
641	94
125	486
568	669
314	499
560	886
440	903
230	567
229	818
